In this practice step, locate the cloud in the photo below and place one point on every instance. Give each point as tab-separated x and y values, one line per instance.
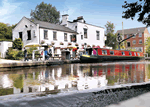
71	8
7	9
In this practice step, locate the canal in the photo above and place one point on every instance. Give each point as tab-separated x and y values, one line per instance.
70	78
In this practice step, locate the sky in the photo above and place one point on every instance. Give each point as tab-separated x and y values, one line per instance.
95	12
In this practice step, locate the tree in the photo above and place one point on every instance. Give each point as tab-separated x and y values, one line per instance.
147	44
17	44
6	31
45	12
111	37
141	8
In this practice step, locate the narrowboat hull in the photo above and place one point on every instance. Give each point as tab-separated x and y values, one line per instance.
91	58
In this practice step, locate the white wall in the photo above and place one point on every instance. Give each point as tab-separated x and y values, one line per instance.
60	38
91	34
4	45
21	28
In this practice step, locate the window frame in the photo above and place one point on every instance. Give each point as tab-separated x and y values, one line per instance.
127	35
140	34
65	37
45	34
85	32
21	35
29	36
110	52
54	36
139	41
123	53
97	35
130	53
133	42
104	53
134	36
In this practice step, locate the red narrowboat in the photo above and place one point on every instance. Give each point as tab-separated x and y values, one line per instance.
110	55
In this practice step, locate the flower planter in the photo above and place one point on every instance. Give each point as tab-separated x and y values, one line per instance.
76	44
61	43
69	43
42	42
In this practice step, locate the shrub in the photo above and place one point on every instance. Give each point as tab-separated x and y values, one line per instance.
14	54
17	44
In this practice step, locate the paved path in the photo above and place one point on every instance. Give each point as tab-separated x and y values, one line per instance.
8	61
139	101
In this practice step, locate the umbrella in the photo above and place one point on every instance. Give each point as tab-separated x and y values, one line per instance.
33	45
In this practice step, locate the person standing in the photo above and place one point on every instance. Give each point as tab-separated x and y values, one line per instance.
46	55
25	54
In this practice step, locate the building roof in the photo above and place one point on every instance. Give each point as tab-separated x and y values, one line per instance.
132	30
52	26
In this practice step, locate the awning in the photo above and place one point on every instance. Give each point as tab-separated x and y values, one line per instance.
33	45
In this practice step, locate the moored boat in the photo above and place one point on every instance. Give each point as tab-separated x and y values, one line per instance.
110	55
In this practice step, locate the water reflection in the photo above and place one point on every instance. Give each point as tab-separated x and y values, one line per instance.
71	77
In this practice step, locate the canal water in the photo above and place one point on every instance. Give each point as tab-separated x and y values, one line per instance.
71	77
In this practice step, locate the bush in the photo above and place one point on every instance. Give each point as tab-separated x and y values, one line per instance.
14	54
17	44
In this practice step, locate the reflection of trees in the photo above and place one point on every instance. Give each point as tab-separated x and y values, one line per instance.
17	80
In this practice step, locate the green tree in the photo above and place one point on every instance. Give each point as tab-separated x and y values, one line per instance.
147	44
141	8
111	37
17	44
45	12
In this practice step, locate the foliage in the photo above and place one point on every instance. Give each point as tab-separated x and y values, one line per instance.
147	44
17	80
46	12
14	54
6	31
30	50
111	37
42	42
141	8
6	91
17	44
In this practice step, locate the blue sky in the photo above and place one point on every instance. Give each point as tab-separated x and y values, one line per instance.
96	12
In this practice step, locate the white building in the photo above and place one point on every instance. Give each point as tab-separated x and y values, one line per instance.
87	33
76	32
4	45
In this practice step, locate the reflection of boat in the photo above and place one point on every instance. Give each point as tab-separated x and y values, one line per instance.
110	55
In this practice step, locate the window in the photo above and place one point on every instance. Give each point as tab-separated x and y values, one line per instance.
45	34
134	36
140	34
140	41
75	28
20	35
138	54
85	33
54	35
29	34
73	38
123	53
65	36
97	35
134	54
104	52
130	53
128	44
134	41
127	36
111	52
81	36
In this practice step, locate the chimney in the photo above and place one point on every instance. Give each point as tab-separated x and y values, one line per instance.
80	19
65	19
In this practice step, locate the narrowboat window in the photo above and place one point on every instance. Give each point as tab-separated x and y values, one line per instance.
123	53
138	54
130	53
104	52
111	52
134	54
